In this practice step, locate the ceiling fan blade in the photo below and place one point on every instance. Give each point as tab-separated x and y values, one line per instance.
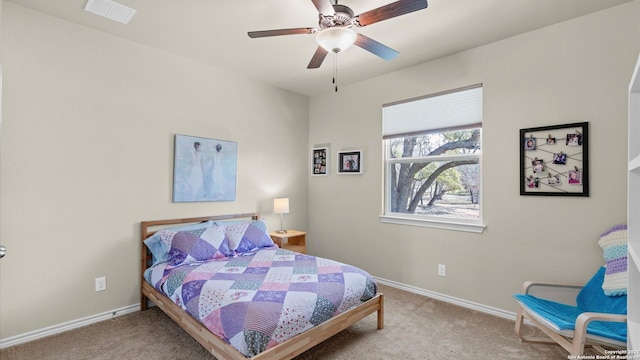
324	7
389	11
376	48
318	58
277	32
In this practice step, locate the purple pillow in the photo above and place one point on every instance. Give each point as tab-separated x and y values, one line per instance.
187	247
159	243
614	246
248	236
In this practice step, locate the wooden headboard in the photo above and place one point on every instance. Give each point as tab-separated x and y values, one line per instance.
148	228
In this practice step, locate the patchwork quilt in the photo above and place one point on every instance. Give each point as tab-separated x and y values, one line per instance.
261	299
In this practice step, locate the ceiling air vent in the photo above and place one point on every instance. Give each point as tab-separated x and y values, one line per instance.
111	10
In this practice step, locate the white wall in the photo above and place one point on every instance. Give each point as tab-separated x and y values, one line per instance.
571	72
87	153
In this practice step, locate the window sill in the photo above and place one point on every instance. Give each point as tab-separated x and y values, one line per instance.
438	224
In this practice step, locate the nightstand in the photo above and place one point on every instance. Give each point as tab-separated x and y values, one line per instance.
296	240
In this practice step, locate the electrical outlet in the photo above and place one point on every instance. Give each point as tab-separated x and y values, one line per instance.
442	270
101	283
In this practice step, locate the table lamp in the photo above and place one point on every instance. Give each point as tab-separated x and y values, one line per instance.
281	206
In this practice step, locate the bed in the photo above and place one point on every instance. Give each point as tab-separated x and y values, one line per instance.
223	281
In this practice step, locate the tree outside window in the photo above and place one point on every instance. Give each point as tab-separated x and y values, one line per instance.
435	175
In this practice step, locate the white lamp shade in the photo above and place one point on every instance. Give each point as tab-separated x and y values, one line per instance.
336	39
281	205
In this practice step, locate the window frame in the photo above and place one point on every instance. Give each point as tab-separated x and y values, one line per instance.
468	225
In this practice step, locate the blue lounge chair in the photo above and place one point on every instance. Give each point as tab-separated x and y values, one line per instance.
595	320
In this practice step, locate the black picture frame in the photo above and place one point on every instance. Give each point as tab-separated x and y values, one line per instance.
320	161
350	162
554	160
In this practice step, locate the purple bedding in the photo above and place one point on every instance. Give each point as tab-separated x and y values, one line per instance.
261	299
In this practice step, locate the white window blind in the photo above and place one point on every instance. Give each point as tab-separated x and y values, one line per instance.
445	111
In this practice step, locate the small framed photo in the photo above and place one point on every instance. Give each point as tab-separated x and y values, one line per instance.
551	140
553	180
575	177
350	162
320	161
537	165
530	144
560	158
574	139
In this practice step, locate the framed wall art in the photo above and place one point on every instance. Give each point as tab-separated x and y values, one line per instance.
320	161
204	169
554	160
350	162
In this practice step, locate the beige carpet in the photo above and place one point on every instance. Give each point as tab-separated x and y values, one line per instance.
416	327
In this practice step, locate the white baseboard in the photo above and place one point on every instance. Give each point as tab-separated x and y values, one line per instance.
56	329
449	299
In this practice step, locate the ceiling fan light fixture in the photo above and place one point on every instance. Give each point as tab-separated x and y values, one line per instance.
336	39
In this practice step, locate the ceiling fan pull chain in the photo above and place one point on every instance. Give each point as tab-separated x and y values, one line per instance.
335	70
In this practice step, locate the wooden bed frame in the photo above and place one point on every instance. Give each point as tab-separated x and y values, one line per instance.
221	349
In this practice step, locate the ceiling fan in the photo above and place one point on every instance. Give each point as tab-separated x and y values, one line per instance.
335	32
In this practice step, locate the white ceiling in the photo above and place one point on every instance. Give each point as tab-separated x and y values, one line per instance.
215	32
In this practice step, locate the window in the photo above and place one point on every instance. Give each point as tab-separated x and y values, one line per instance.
433	157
